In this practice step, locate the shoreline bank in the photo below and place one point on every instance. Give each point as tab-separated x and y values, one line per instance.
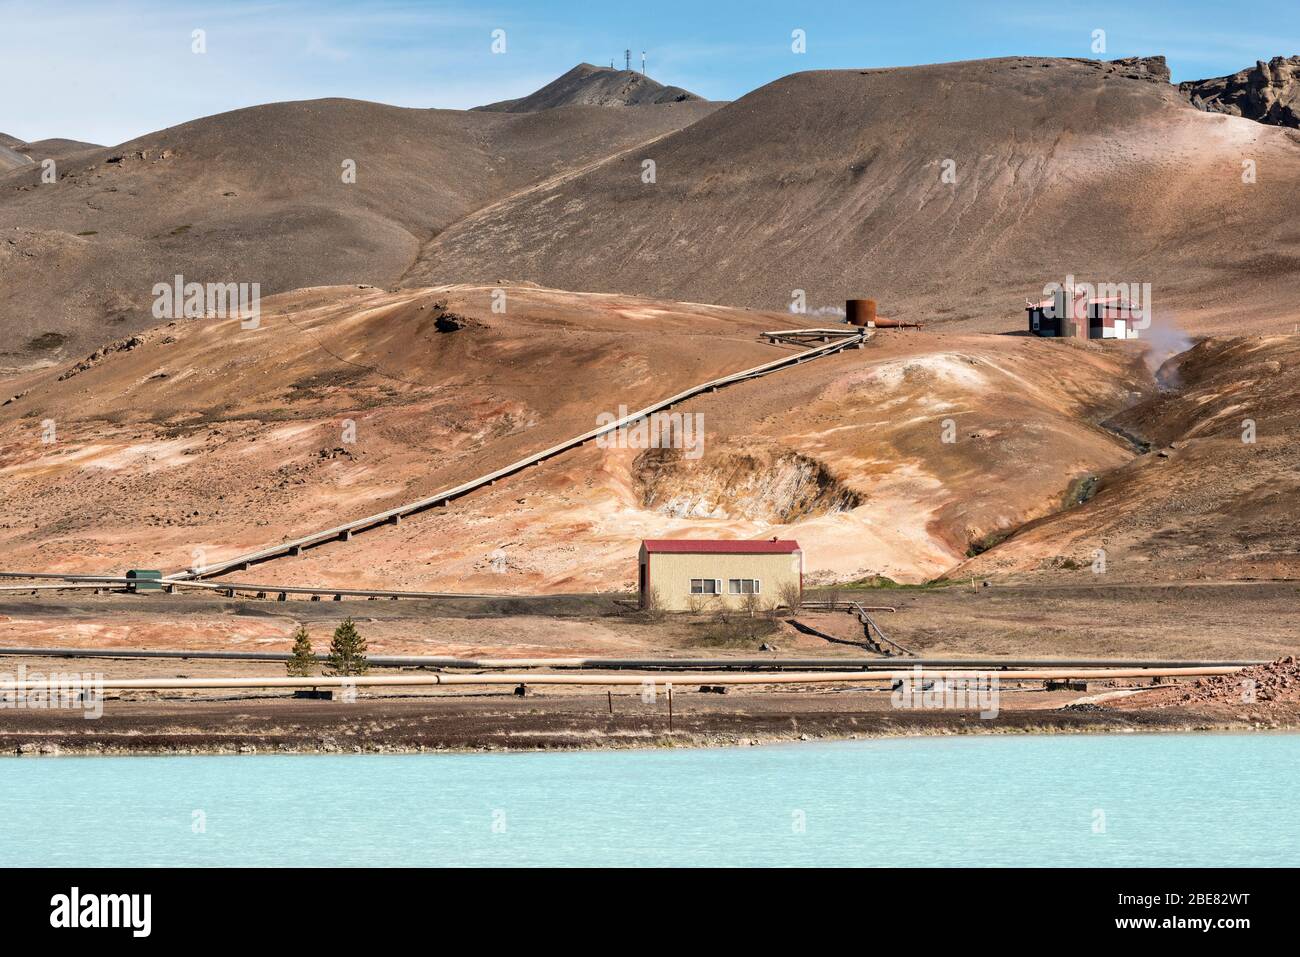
261	725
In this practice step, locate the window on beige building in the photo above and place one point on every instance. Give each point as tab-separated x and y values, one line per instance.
744	586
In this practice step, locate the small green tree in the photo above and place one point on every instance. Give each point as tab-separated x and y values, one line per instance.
347	651
302	659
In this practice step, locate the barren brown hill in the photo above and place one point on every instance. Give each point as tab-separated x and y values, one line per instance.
15	152
55	148
12	159
258	195
200	435
1215	497
587	85
833	182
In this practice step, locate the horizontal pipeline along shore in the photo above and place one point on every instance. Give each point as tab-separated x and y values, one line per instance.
54	685
634	664
121	584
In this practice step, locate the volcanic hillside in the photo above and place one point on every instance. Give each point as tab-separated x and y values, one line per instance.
833	182
1214	496
198	440
11	159
14	152
1267	92
258	195
587	85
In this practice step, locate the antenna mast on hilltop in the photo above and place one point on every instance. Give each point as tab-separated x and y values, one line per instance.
627	59
643	62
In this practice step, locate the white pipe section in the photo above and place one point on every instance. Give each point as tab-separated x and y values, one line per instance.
659	678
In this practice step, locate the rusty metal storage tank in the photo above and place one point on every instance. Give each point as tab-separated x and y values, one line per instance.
860	312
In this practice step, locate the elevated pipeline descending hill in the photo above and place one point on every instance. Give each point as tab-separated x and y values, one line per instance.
347	399
832	341
199	443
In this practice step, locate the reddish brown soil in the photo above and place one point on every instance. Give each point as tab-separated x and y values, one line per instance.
1213	498
1271	690
203	440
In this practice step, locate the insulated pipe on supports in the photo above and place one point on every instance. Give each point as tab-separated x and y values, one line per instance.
69	683
648	664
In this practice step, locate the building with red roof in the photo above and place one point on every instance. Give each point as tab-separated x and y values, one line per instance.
688	574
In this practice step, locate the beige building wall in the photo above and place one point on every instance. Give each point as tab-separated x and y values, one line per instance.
671	573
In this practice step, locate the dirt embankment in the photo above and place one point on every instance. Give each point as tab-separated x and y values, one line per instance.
1121	622
1212	498
552	721
1271	690
1228	622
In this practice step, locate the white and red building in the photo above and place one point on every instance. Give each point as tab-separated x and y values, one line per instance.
1083	317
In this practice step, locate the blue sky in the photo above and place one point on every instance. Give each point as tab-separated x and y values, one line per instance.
110	70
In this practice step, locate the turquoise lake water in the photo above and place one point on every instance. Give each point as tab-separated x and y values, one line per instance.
1032	800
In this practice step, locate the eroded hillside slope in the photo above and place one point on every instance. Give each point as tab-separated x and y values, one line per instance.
199	435
1214	498
263	195
946	192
